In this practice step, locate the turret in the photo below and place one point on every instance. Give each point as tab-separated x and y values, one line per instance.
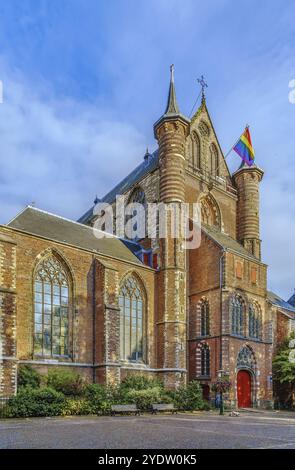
247	181
170	131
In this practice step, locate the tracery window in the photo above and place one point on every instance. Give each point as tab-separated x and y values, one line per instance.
51	308
210	214
205	318
237	315
246	358
214	157
195	151
254	322
139	216
205	360
131	302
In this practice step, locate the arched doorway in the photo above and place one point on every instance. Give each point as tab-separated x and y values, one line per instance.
244	389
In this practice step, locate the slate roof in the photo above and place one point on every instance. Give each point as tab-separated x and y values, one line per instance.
279	302
227	242
40	223
147	166
292	300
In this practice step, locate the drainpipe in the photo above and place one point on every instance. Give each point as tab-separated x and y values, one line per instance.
93	317
221	411
220	288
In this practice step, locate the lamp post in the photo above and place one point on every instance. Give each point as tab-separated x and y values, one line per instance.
221	407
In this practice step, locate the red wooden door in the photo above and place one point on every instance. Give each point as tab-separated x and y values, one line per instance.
244	389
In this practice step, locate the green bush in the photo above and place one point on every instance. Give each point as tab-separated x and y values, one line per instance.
28	377
36	402
139	382
188	397
144	398
77	406
65	381
101	397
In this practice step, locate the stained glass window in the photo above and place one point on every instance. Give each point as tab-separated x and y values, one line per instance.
254	322
131	304
237	316
51	309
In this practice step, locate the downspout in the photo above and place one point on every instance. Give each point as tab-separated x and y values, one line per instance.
93	317
221	317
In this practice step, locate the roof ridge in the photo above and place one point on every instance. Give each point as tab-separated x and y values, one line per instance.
66	219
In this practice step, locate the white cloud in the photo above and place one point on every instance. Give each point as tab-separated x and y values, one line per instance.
59	153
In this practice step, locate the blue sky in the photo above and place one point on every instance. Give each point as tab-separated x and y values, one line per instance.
84	81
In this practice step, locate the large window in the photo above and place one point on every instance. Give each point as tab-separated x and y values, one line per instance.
205	318
237	316
131	304
51	309
254	322
205	360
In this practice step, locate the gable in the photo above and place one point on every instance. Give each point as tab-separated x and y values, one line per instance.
202	131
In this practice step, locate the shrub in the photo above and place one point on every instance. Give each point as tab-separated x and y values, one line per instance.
101	397
188	397
65	381
36	402
139	382
28	377
77	406
144	398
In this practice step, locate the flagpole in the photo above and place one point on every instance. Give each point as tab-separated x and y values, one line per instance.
225	157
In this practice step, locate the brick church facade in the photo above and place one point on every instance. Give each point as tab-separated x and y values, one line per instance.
108	307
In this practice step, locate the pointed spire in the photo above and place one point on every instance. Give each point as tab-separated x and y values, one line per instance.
147	154
172	106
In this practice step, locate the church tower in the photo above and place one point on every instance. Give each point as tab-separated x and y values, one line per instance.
247	181
171	131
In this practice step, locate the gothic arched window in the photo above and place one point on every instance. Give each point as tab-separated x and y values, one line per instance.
205	360
205	318
214	157
131	303
237	315
140	217
51	308
254	322
210	213
195	151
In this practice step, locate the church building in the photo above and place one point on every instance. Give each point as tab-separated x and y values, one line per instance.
107	307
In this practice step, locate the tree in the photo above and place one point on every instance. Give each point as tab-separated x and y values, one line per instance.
284	368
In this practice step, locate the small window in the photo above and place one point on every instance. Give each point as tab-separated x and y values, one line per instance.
253	275
239	270
205	318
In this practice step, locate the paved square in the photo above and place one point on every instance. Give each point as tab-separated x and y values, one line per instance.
182	431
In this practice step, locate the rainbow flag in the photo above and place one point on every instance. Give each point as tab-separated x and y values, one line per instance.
244	148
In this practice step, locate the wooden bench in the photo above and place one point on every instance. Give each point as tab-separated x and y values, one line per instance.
156	407
124	409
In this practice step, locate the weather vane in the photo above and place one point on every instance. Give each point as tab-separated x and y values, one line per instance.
203	84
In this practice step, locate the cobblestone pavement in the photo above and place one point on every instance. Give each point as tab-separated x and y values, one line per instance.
182	431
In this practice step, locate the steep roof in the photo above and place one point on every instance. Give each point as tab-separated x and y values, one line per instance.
40	223
147	166
227	242
292	300
279	302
